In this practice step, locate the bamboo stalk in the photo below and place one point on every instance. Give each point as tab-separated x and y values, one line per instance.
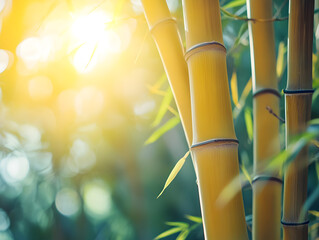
298	112
266	186
165	33
214	146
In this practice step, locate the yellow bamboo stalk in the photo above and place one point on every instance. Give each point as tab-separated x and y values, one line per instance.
165	33
298	109
215	147
266	186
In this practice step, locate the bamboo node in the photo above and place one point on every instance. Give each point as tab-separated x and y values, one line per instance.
216	140
299	91
266	178
204	46
294	223
159	22
267	90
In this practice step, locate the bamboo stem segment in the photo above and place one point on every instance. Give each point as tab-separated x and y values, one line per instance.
298	112
214	142
165	33
266	186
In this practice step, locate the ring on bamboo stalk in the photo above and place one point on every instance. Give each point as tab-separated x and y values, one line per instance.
203	47
169	19
294	224
266	90
299	91
216	140
266	178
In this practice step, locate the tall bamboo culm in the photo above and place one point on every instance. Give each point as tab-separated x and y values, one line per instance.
215	147
165	33
266	186
298	96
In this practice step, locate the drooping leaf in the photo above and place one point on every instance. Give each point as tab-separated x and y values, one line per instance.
309	202
242	99
194	219
163	108
249	123
317	169
234	88
168	233
174	172
163	129
235	3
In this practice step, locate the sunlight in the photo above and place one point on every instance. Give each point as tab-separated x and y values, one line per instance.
68	202
93	40
40	88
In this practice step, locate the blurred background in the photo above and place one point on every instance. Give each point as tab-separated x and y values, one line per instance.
89	130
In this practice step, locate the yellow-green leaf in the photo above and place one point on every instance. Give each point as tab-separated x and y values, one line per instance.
235	3
317	169
281	63
245	172
163	108
163	129
174	172
194	218
249	123
168	233
234	88
313	212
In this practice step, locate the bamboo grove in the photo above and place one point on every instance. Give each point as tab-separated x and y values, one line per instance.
198	78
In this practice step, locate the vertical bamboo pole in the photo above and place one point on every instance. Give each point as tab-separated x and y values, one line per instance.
298	109
266	186
165	33
215	146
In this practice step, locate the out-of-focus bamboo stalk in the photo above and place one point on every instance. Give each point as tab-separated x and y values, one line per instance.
266	186
165	33
298	112
215	147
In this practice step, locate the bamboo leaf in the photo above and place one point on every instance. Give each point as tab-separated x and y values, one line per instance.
315	213
183	235
163	108
242	99
309	202
178	224
174	172
194	219
235	3
163	129
234	88
317	169
281	63
168	233
249	123
245	172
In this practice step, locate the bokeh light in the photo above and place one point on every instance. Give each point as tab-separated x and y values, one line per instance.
15	168
68	202
4	60
4	221
97	199
40	88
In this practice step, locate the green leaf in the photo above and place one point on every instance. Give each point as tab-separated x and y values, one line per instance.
164	107
168	233
178	224
235	3
309	202
163	129
249	123
183	235
194	218
174	172
317	169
